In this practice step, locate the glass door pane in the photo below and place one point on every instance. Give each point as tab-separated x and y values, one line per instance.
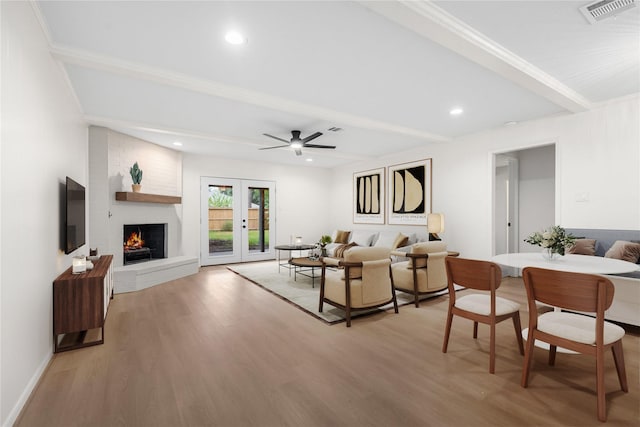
221	219
258	227
236	221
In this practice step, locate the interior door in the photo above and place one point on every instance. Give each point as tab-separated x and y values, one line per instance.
235	221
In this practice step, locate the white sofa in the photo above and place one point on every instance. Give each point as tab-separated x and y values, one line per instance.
383	238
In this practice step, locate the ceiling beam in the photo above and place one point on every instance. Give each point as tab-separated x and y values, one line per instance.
170	78
430	21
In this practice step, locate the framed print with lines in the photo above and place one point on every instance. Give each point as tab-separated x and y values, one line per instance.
368	197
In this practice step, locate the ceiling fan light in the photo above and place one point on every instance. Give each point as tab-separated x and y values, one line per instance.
296	145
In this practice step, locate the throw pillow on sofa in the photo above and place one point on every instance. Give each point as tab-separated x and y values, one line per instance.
340	236
361	237
626	251
391	239
583	247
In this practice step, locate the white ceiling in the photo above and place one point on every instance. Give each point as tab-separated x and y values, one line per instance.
385	72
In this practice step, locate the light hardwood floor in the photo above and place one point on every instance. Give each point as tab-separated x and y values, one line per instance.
214	349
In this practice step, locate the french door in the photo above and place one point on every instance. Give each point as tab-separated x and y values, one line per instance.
236	220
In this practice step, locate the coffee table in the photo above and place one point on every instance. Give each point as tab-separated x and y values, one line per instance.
303	266
289	248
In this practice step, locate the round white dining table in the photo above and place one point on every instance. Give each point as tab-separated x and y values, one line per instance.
573	263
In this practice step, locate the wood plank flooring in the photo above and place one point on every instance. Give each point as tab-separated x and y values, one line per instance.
215	350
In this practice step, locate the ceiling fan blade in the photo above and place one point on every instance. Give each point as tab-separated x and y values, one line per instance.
298	152
275	137
310	137
319	146
277	146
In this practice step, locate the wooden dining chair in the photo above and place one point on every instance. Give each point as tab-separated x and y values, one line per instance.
484	308
577	332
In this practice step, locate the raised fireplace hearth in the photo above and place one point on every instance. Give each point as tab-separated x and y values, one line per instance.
144	242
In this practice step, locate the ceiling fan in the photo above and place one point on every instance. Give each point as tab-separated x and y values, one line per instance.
298	143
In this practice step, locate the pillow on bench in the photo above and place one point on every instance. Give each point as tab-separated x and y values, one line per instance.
626	251
583	247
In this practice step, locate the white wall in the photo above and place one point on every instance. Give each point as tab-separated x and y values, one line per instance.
302	196
597	153
44	139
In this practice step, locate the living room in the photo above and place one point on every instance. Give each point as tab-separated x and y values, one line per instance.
45	137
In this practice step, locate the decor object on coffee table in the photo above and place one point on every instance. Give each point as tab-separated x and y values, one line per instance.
136	177
410	193
364	283
323	242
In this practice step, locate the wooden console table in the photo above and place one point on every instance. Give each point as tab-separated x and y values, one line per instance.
80	303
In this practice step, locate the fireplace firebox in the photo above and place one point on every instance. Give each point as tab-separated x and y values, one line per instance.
144	242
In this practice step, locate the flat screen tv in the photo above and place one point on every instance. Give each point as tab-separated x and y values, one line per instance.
75	216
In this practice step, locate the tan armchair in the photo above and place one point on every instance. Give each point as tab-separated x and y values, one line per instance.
424	272
364	282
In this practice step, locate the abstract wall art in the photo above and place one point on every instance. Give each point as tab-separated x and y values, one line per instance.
368	197
410	193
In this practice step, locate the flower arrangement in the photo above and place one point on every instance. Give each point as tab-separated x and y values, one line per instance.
554	239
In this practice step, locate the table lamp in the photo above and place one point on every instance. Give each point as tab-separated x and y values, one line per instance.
435	225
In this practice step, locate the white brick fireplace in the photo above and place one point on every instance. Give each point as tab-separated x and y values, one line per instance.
111	154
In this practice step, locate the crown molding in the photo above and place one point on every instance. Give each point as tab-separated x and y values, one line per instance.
170	78
428	20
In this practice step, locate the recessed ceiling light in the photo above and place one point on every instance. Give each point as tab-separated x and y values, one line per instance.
511	123
456	111
178	144
309	159
234	37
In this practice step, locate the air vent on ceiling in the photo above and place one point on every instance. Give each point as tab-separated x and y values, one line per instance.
604	9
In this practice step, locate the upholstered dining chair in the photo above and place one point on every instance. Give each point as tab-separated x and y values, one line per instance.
484	308
364	281
424	272
577	332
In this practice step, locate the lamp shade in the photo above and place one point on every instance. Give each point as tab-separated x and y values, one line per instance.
435	223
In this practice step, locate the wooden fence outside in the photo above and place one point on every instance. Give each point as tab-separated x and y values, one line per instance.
221	219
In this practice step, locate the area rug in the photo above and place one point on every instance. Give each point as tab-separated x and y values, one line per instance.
300	293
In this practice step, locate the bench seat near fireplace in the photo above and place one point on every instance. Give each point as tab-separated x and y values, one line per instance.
134	277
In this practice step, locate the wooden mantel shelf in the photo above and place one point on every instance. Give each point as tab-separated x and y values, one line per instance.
126	196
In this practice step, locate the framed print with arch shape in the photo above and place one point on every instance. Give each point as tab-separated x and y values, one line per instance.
368	197
410	193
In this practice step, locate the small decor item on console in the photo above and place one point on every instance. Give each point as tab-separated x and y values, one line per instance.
93	255
554	240
136	177
79	264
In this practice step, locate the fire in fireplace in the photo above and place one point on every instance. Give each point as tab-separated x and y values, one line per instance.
144	242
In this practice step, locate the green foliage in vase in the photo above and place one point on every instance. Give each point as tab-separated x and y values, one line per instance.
324	240
554	238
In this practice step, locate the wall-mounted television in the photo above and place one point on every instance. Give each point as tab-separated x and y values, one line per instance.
74	216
